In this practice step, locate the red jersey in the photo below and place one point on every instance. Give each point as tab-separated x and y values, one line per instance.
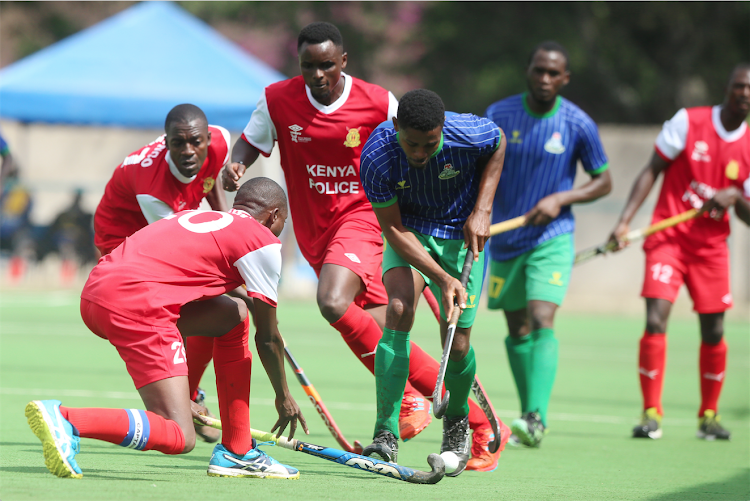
186	256
320	147
705	158
147	186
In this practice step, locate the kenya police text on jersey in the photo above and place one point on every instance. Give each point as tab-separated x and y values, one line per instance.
541	158
320	149
184	257
435	200
704	158
147	186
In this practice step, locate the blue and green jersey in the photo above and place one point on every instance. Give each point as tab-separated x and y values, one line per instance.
435	200
541	157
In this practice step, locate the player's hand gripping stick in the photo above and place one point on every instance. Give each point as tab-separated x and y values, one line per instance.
439	405
352	460
588	254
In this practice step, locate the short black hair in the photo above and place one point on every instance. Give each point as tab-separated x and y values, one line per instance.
184	113
260	194
420	109
315	33
738	67
549	46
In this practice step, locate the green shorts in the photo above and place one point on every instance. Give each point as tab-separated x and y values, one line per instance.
450	255
541	274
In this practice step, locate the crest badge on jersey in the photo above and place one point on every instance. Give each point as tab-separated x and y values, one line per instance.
352	139
733	170
208	184
554	144
448	172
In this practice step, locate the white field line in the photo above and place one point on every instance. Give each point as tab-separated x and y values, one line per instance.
343	406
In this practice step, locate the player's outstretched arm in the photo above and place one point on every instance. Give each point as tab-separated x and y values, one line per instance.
728	197
638	193
270	348
477	226
409	248
243	155
548	208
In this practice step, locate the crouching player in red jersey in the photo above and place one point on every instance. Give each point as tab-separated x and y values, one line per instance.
179	268
704	154
321	120
172	173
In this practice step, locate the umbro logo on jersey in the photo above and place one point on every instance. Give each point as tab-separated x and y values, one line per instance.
649	374
448	172
296	133
353	257
700	152
554	144
714	377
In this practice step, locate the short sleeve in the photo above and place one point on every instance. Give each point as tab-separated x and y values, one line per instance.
673	136
261	270
152	208
392	105
260	131
591	150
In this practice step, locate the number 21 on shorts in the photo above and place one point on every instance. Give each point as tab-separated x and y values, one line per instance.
661	272
179	352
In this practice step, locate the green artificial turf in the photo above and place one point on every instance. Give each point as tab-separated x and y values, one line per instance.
46	352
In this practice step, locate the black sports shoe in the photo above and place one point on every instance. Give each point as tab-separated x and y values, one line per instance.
384	446
709	427
650	425
529	429
457	439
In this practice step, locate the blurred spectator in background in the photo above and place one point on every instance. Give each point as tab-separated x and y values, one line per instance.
71	235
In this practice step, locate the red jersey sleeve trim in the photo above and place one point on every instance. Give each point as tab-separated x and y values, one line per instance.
263	298
662	155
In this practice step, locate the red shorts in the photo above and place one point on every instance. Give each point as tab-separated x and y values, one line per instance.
151	352
358	246
707	280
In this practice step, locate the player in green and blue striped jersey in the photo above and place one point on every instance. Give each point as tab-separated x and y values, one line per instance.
430	179
530	267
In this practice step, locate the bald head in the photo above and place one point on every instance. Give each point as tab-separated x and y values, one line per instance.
265	200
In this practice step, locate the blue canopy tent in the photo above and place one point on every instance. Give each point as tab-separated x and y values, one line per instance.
131	69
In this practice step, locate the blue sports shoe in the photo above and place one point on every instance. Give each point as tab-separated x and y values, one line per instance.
254	464
60	440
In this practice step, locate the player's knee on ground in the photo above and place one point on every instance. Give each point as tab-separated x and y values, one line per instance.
189	435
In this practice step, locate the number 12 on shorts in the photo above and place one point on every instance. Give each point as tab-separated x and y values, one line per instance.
661	272
179	352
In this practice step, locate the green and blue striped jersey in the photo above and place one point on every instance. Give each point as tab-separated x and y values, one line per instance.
435	200
541	158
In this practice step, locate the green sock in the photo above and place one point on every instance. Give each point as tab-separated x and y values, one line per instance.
519	356
544	364
458	379
391	373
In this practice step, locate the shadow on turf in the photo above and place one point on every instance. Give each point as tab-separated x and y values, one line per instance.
737	487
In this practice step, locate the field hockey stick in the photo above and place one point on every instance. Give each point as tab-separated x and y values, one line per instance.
440	400
588	254
319	405
354	460
510	224
489	411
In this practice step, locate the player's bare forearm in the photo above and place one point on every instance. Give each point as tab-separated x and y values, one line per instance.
406	244
742	209
597	187
642	187
243	155
725	198
477	226
216	198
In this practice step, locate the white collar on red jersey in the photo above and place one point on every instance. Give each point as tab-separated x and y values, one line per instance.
729	137
337	103
176	173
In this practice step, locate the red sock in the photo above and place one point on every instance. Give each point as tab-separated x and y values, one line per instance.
233	364
713	363
432	302
199	350
652	360
118	426
362	333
